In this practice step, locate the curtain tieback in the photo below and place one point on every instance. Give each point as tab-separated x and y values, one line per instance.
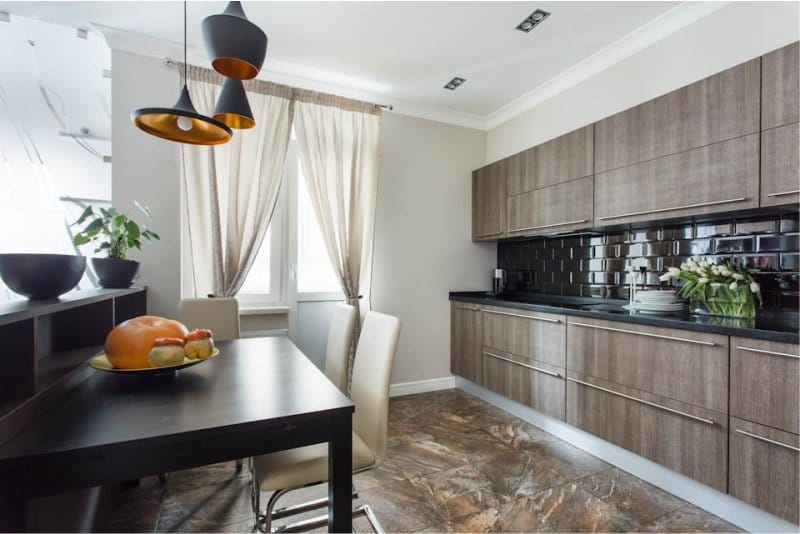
354	297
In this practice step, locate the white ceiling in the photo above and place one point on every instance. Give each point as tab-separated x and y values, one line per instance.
399	53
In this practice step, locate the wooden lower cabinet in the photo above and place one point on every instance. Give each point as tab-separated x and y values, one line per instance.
765	383
691	367
534	384
764	468
532	335
682	437
465	340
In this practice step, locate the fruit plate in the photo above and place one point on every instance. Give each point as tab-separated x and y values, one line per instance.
100	362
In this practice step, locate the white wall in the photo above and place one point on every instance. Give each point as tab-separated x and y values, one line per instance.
731	35
422	237
147	169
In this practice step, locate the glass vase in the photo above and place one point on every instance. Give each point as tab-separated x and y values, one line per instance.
720	300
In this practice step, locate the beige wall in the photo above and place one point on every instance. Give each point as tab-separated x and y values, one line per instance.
731	35
147	169
422	237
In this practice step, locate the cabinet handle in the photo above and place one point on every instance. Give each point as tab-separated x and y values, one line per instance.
762	351
685	207
659	336
473	308
762	438
488	234
642	401
548	225
782	193
539	369
533	317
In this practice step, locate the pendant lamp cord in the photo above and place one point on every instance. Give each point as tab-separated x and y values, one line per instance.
185	64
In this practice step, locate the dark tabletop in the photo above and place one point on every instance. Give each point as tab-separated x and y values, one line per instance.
768	326
251	381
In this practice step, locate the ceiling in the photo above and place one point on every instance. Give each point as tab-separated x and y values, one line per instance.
399	53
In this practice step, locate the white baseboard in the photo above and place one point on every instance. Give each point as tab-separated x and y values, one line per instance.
421	386
720	504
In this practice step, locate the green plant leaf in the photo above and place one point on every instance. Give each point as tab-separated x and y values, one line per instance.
132	228
80	239
88	212
119	220
144	209
94	226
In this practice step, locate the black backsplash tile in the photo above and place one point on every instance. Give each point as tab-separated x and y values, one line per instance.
599	265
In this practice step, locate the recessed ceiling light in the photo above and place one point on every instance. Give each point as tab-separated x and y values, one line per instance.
454	83
4	16
533	20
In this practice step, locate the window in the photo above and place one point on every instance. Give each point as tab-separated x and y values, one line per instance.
293	244
315	275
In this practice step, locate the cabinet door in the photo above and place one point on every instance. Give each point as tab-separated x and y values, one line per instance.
780	165
765	383
532	335
690	367
519	177
564	158
780	86
720	107
537	385
682	437
566	206
465	340
489	202
763	468
716	178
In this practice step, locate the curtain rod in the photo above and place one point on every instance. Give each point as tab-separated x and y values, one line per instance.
170	63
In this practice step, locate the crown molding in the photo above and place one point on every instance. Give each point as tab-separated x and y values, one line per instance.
292	74
644	36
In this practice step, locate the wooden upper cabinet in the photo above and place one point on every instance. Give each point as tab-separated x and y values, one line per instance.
564	158
466	334
716	178
565	206
519	179
720	107
489	201
780	87
780	165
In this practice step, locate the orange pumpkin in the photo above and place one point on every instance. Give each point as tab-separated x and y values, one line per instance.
129	343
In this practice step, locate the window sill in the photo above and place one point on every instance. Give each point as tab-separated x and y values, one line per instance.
326	296
264	310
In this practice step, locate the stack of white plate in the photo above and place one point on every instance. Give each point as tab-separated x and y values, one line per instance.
657	302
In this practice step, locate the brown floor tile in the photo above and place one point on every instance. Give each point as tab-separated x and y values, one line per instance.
633	496
401	507
690	519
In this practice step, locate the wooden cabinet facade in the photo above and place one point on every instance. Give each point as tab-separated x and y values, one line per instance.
764	468
489	201
716	178
655	427
534	384
726	143
690	367
465	340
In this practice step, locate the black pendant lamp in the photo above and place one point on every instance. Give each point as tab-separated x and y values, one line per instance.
182	123
236	46
233	108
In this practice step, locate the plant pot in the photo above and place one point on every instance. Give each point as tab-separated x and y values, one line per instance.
41	276
720	300
113	273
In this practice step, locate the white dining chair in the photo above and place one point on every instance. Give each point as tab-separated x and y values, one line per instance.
218	314
337	351
281	472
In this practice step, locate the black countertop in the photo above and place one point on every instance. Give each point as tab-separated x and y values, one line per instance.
768	326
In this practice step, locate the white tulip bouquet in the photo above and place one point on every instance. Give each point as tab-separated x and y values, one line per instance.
717	289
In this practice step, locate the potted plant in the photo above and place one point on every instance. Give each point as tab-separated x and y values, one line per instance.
116	234
726	289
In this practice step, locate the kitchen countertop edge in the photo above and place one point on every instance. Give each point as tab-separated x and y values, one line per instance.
664	322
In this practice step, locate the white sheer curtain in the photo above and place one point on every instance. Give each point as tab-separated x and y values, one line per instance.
230	191
338	143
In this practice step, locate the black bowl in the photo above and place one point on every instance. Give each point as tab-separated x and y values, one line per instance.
41	276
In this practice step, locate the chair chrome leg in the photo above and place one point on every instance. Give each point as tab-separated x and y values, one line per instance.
318	521
371	517
239	464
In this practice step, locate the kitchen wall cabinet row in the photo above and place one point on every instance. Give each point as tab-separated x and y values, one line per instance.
722	410
725	143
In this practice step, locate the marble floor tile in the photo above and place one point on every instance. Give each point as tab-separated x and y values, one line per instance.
638	499
401	507
689	519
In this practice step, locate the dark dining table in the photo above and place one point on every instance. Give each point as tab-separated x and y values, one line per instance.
257	396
